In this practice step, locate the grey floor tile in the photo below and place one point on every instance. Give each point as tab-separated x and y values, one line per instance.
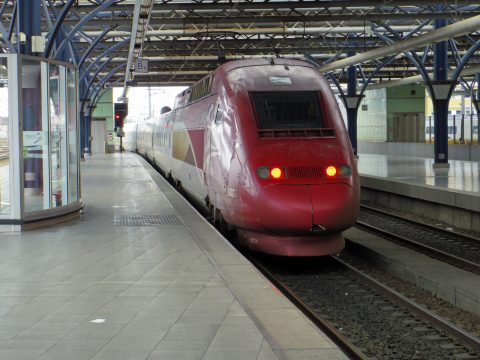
207	309
114	316
201	319
266	352
102	331
132	303
257	296
56	354
19	354
43	334
28	344
230	355
80	344
177	355
122	355
237	338
291	330
169	317
135	341
179	345
315	354
136	289
161	296
7	335
190	332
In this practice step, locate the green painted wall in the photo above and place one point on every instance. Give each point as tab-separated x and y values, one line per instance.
401	99
378	108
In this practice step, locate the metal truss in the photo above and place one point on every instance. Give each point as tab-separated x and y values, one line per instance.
184	39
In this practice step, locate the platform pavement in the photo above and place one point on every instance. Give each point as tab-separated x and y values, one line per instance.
97	288
412	184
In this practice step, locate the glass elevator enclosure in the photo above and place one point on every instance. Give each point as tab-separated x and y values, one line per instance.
39	145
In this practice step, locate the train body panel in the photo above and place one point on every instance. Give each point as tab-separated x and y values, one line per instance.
148	140
130	141
249	122
188	147
162	138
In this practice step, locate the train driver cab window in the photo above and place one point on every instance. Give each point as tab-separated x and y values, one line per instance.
219	116
288	110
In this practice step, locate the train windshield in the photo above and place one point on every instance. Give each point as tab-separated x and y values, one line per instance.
288	110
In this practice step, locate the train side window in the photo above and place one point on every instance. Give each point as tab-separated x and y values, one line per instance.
219	116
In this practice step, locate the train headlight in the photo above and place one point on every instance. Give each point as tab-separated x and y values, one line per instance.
331	171
263	172
275	173
338	171
344	170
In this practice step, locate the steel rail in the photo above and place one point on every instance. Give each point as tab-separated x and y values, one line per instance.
461	335
422	224
336	336
427	250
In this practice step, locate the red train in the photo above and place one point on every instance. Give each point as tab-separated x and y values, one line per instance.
261	145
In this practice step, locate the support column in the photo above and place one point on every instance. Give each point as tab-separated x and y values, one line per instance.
82	136
352	101
476	103
87	134
28	23
35	169
441	97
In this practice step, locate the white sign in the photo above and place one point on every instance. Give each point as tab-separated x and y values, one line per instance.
141	66
35	138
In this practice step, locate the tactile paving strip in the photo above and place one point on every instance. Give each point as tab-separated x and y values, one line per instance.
146	220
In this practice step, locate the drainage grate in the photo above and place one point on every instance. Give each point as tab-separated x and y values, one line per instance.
146	220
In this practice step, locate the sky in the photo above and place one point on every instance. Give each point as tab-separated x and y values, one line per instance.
146	102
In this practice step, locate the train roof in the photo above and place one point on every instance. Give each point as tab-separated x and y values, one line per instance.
202	87
233	64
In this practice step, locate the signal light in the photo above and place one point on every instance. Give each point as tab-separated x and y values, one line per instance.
120	113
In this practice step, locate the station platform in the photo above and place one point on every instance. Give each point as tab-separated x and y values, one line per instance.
411	184
141	275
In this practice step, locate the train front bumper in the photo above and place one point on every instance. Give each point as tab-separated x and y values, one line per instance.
306	209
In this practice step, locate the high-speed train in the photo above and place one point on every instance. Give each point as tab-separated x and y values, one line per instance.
261	145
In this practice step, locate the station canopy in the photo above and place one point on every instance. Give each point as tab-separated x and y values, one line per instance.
174	42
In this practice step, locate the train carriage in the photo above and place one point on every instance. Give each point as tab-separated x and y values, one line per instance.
261	145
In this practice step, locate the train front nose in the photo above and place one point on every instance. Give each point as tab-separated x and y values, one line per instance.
303	209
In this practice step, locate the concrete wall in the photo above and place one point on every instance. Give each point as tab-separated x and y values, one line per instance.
372	116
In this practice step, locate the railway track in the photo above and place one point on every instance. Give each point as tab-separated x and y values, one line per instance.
365	318
456	249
